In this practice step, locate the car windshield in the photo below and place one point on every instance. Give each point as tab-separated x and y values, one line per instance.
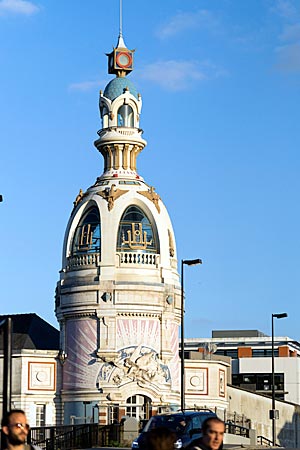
175	422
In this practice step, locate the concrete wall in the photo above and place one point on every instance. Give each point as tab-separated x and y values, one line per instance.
256	407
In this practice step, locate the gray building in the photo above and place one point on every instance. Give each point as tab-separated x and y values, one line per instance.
251	360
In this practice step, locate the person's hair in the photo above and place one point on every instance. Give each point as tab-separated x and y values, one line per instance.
206	423
160	438
6	418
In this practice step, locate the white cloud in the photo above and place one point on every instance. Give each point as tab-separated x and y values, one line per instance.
85	86
288	55
288	58
24	7
291	33
286	9
183	21
175	75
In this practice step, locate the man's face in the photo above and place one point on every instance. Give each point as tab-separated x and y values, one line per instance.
17	429
214	436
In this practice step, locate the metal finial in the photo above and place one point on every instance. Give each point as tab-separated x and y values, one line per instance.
121	14
121	42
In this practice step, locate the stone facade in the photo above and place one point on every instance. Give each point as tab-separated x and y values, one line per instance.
34	378
118	298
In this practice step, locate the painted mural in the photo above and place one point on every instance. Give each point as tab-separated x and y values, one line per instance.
138	331
80	370
139	361
174	363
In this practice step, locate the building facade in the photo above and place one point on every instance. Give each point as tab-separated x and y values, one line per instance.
118	297
34	367
251	361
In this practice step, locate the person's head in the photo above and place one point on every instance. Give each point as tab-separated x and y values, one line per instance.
160	438
15	427
213	430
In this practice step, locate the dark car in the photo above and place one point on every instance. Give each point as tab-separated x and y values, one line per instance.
187	426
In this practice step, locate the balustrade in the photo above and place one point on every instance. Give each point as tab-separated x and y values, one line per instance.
84	260
145	259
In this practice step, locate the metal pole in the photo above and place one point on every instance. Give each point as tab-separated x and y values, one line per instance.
188	262
7	361
274	413
182	341
273	389
7	338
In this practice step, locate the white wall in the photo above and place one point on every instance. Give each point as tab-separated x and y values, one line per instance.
289	366
256	407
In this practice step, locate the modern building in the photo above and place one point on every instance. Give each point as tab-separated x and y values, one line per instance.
118	297
251	355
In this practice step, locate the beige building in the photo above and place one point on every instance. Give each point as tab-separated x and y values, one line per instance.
118	297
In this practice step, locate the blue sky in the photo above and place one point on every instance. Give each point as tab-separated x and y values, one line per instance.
220	82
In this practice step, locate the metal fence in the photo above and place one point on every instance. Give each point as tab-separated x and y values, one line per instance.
66	437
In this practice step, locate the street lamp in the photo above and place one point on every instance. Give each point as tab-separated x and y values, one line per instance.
273	410
187	262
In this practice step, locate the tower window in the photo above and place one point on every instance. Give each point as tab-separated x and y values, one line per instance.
88	233
136	233
125	116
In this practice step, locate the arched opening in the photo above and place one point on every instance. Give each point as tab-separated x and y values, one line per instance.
139	406
136	232
87	238
125	116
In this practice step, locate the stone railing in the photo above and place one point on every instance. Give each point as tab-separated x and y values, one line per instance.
125	131
85	260
132	258
123	259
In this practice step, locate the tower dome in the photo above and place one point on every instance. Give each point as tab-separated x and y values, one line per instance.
118	86
118	300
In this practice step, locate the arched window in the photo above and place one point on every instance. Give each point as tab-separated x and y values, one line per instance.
104	114
125	116
139	406
136	233
88	233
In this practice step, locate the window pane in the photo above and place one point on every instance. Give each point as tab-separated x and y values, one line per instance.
136	233
125	116
88	234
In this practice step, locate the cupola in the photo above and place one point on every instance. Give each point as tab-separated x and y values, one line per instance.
120	138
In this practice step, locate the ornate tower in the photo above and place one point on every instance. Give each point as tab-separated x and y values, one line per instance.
118	297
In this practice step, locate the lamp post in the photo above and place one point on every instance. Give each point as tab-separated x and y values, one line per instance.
273	410
6	325
187	262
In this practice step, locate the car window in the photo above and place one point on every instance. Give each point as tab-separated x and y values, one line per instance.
196	422
177	423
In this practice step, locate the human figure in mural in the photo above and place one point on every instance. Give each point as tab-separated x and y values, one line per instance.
135	365
213	430
15	429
